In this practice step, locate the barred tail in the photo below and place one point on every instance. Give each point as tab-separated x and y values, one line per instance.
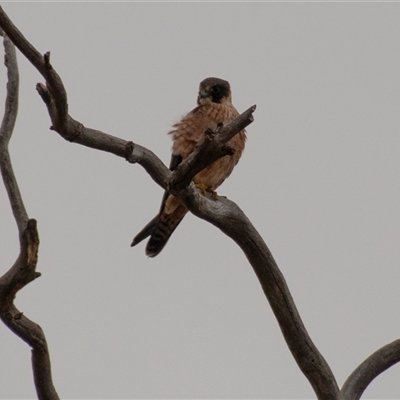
145	232
163	229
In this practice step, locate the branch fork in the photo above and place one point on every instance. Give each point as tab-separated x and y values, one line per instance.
223	213
211	146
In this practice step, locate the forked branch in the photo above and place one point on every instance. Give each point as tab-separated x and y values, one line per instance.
222	213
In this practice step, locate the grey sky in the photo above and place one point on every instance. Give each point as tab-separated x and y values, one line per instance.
319	179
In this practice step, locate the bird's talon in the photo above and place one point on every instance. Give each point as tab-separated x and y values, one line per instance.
202	187
206	189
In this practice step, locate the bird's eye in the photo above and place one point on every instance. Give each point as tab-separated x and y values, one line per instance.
215	89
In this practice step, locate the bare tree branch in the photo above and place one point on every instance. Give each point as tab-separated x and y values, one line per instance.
6	129
24	269
369	369
222	213
231	220
54	96
41	63
210	148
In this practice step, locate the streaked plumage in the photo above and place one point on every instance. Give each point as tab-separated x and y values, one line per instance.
214	107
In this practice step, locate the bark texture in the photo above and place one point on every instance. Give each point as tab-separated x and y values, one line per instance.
221	212
24	269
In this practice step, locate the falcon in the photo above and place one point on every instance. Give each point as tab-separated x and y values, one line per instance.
214	107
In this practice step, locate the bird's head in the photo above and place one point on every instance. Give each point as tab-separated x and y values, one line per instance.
214	90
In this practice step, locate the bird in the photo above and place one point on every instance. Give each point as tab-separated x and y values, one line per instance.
214	107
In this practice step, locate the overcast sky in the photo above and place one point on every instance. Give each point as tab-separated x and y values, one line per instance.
319	178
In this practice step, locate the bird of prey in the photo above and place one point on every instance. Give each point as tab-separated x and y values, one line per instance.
214	107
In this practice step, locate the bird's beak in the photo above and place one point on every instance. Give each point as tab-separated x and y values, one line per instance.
203	94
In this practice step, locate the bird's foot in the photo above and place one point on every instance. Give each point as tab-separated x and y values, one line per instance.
206	189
